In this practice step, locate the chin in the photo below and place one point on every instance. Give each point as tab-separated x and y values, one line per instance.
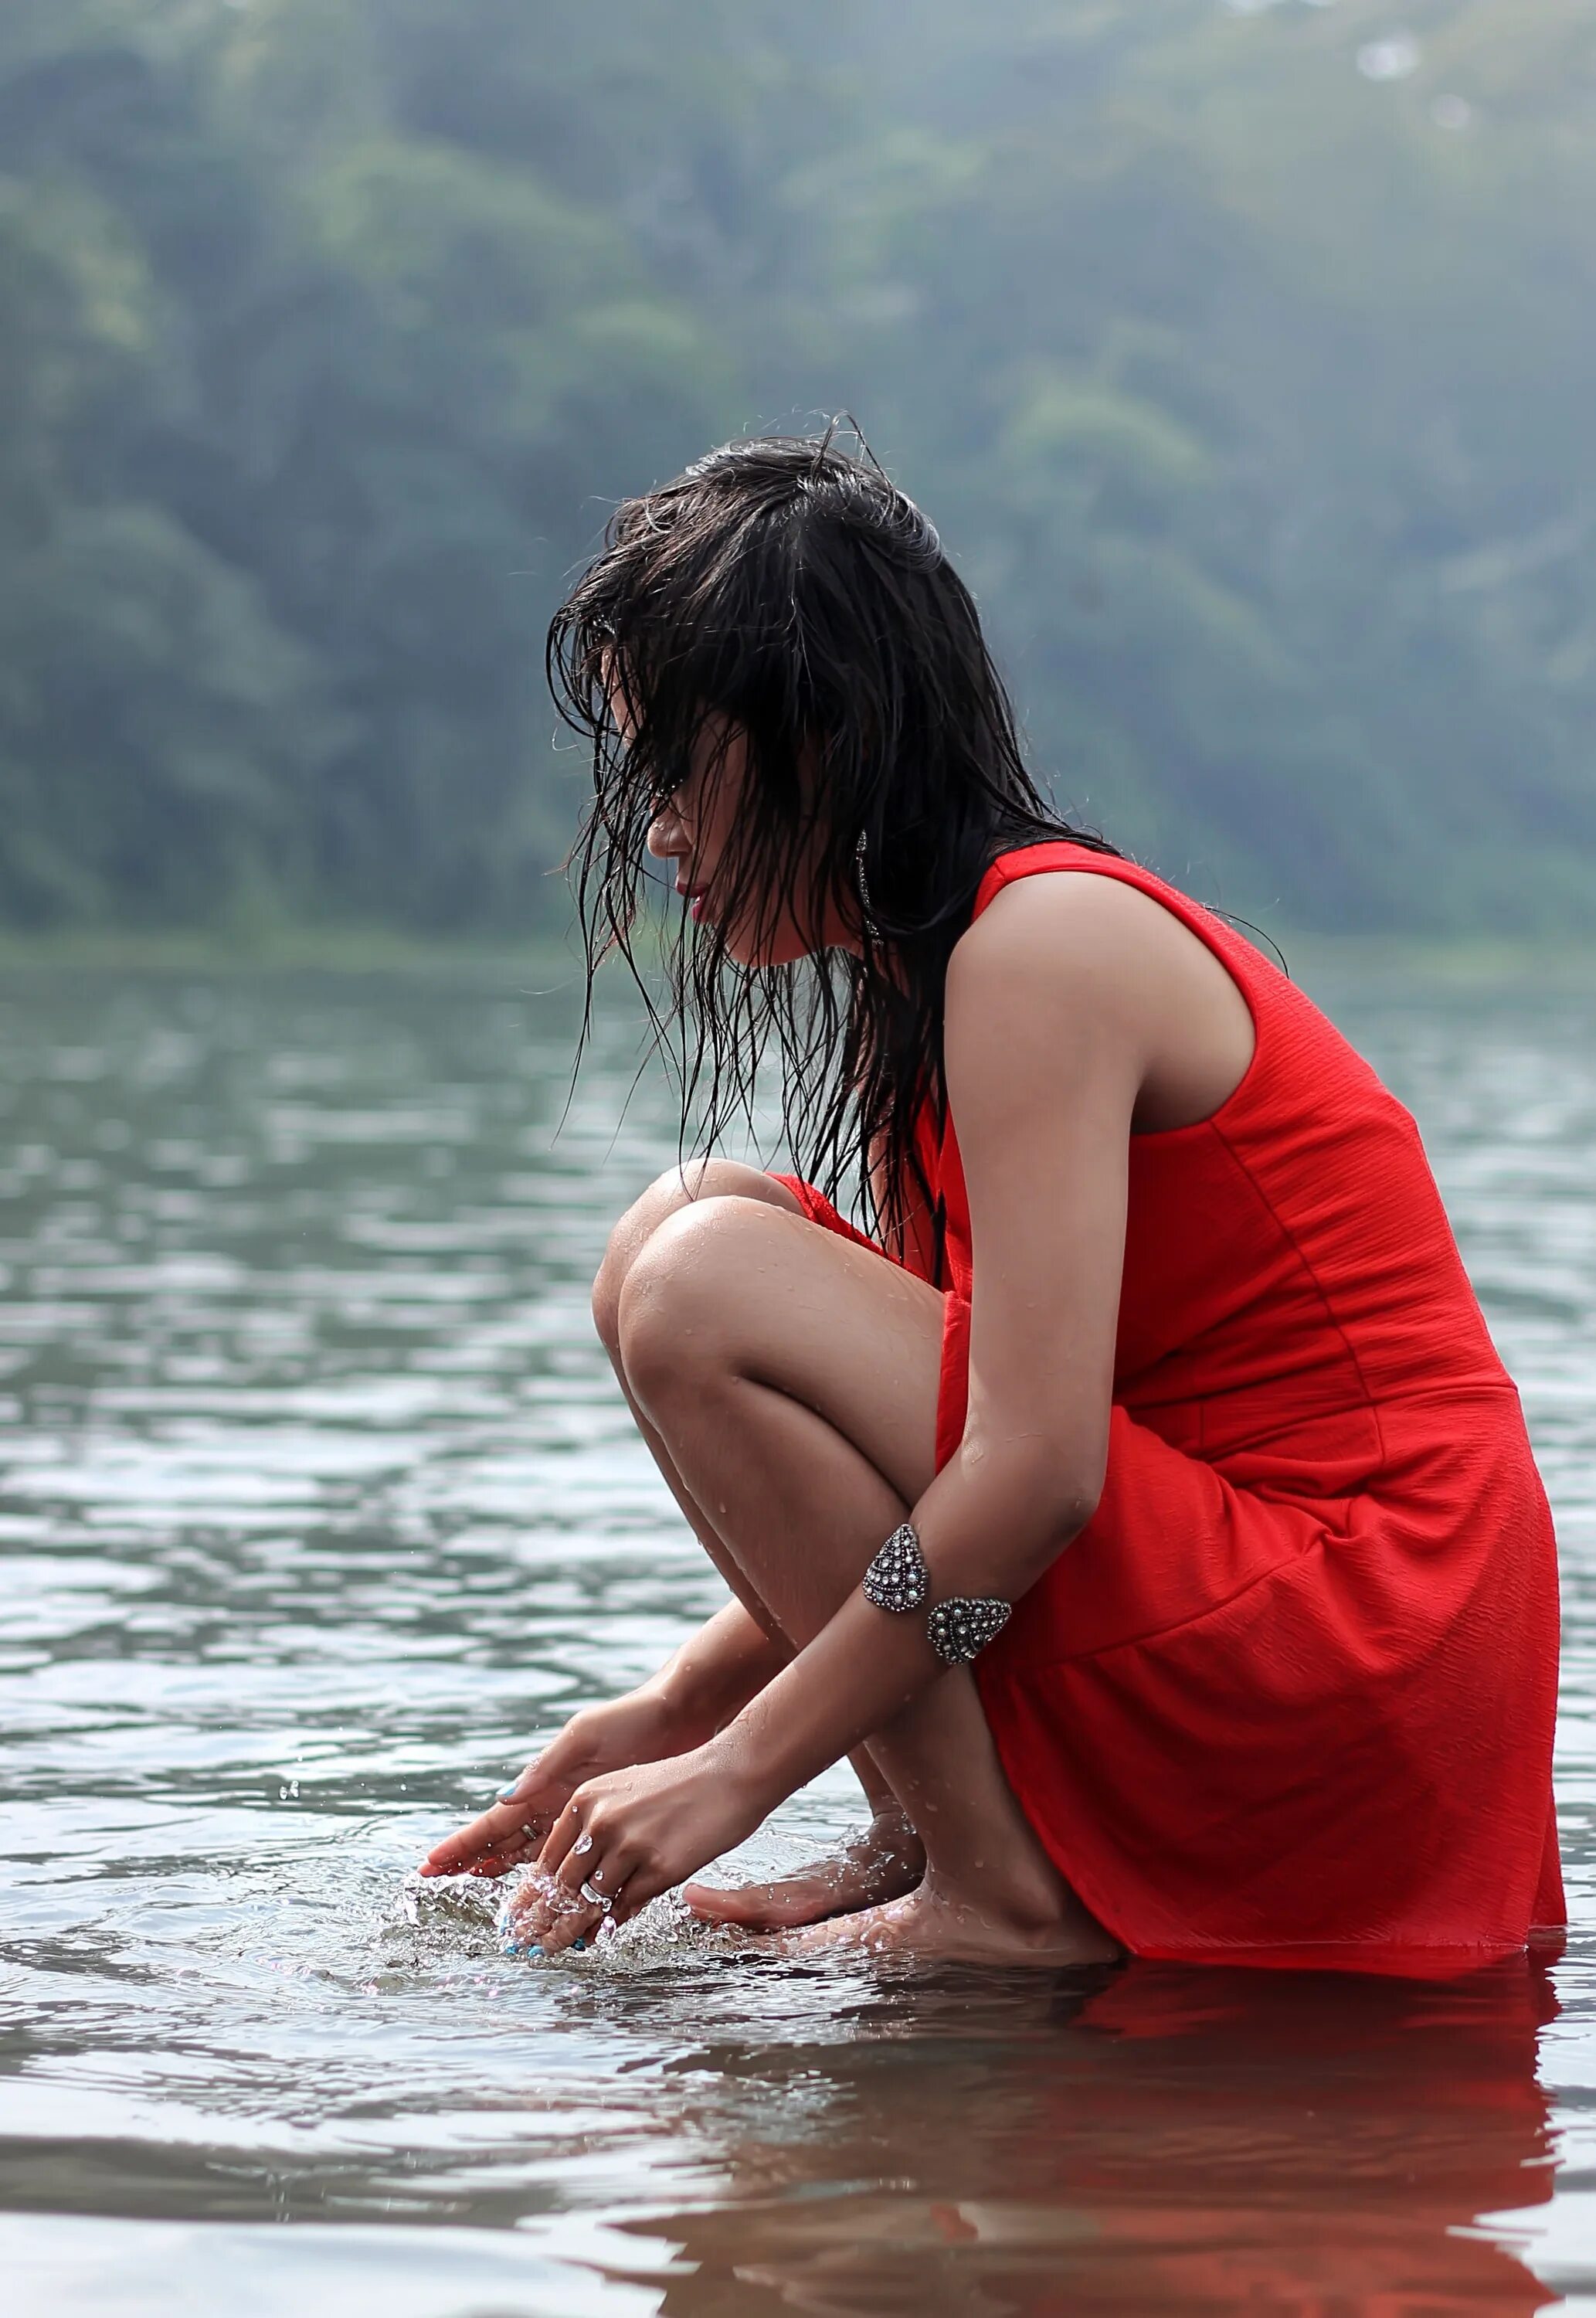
782	945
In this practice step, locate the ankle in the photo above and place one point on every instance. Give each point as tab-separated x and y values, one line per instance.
1031	1906
893	1822
892	1841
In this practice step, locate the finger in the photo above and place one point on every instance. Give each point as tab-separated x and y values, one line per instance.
579	1913
529	1806
495	1862
506	1830
540	1791
609	1880
573	1928
534	1908
640	1887
494	1857
599	1860
563	1837
521	1815
575	1901
528	1915
544	1917
502	1818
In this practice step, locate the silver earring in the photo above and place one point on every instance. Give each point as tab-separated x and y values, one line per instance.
872	930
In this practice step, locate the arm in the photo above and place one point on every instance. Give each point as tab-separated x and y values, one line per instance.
716	1671
1045	1050
1049	1023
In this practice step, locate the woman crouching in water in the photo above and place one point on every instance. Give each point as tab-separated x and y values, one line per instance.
1140	1504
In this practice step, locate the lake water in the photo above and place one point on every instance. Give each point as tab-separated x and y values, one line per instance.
318	1508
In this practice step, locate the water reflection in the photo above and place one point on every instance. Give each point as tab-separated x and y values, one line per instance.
1164	2141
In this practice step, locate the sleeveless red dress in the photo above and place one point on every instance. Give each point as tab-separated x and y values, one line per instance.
1289	1698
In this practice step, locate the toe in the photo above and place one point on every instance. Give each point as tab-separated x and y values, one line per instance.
717	1904
766	1907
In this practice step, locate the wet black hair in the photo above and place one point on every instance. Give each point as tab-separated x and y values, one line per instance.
789	590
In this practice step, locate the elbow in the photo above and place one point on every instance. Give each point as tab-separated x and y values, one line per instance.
1063	1502
1072	1509
1063	1513
1049	1498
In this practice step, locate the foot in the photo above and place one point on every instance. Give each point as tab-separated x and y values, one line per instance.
934	1926
878	1865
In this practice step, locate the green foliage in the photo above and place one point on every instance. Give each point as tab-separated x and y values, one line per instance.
1241	352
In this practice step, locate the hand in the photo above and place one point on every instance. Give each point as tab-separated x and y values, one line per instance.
629	1834
636	1728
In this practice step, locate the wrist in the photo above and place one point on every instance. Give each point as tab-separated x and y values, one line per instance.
736	1756
701	1692
667	1700
684	1707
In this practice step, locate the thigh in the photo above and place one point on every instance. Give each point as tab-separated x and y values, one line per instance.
744	1288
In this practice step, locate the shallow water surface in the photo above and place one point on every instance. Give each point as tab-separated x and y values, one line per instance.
318	1509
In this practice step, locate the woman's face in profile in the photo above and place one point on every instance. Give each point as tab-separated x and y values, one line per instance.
693	828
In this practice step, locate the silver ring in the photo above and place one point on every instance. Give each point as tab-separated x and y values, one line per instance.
584	1842
596	1898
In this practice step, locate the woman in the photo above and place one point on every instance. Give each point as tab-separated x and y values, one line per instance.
1143	1508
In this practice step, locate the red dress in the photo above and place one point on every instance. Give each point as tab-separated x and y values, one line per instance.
1288	1699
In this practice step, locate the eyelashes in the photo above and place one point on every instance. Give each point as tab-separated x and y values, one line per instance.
662	788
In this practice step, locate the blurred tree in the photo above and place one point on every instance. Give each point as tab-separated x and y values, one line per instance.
1240	350
158	731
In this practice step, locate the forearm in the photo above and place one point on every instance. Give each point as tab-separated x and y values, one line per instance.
984	1529
718	1670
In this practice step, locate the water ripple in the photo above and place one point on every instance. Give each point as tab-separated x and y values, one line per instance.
318	1507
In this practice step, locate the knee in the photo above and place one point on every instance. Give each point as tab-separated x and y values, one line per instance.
676	1319
679	1188
627	1241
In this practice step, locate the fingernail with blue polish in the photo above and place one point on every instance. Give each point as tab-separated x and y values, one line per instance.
578	1943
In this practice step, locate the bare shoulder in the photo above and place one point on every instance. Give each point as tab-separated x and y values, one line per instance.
1054	937
1073	962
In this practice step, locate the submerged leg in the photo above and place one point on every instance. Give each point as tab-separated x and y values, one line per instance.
889	1859
792	1379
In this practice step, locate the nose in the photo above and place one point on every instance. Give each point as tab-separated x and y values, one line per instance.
666	840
